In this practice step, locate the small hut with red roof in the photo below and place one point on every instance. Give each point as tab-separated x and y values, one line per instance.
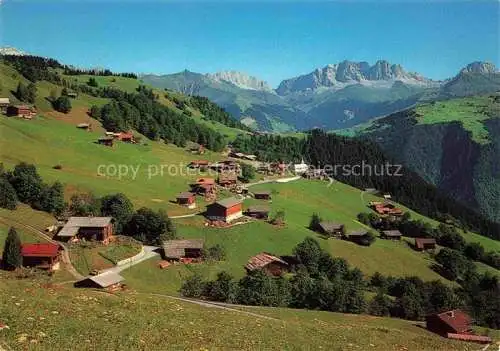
41	255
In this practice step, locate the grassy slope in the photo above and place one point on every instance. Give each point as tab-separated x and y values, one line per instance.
338	203
58	318
130	85
47	142
469	111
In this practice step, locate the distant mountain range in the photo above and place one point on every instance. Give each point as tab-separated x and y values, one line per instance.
336	96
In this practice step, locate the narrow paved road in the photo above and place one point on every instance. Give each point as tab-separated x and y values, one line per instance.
149	252
65	252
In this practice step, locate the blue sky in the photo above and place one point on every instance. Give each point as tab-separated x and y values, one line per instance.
272	40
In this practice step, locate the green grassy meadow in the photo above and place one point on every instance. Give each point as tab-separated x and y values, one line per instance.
340	203
469	111
44	316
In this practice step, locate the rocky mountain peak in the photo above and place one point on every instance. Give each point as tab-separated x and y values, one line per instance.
11	51
241	80
479	67
349	72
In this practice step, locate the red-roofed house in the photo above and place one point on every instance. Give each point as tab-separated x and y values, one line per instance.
127	137
268	263
45	256
454	324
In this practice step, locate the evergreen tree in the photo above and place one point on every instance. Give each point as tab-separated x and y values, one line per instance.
92	82
380	305
222	289
314	222
8	196
302	290
150	226
247	172
62	104
51	199
194	287
119	207
84	204
26	181
31	93
11	257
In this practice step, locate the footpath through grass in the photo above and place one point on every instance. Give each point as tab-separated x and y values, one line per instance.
45	317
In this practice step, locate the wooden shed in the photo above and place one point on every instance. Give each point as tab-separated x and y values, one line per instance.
108	281
454	324
21	111
422	244
4	104
184	248
332	229
268	263
226	210
41	255
187	199
108	141
259	212
262	194
227	178
357	237
391	234
88	228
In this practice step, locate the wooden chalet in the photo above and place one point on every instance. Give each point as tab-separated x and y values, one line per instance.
228	165
391	234
258	212
278	168
243	156
226	210
357	237
315	173
300	168
262	194
107	141
203	186
42	255
422	244
227	178
23	111
108	281
454	324
4	104
332	229
126	137
386	208
268	263
187	199
180	249
201	164
87	228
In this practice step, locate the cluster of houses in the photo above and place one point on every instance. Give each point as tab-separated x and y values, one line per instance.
337	230
47	255
23	111
386	209
111	137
